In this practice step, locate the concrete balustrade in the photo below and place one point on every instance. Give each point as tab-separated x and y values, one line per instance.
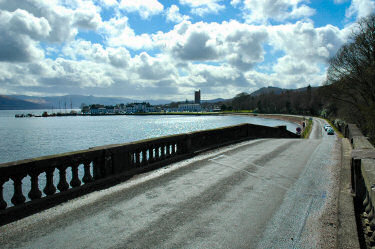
363	181
105	166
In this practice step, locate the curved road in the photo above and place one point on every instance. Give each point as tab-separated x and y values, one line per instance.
266	193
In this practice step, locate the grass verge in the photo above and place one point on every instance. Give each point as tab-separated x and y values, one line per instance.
306	132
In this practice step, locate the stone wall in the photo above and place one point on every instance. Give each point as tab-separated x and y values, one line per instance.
363	183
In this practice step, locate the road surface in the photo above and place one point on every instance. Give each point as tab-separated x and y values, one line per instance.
266	193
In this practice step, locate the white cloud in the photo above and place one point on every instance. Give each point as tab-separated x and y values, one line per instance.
87	16
117	57
235	2
145	8
19	32
108	3
260	11
303	41
360	8
203	7
288	65
239	44
118	33
151	68
173	14
219	58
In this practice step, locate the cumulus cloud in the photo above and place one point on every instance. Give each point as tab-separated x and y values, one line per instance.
260	11
222	59
287	65
59	18
239	44
360	8
303	41
118	33
145	8
151	68
173	14
19	32
117	57
203	7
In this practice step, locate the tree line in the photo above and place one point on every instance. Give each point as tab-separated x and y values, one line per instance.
307	101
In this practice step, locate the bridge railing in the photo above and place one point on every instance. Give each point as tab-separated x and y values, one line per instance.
43	182
363	181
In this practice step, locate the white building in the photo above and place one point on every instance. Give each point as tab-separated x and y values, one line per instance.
189	108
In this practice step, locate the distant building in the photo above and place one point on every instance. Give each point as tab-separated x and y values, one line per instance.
197	95
189	108
140	108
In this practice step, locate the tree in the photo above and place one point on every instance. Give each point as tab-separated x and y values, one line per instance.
351	74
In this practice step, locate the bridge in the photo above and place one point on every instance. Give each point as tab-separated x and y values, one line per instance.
265	188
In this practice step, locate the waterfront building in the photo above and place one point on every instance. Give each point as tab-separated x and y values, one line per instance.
189	108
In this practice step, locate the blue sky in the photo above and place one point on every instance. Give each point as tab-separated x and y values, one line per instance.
153	49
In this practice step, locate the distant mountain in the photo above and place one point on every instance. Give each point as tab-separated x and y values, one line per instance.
72	100
11	103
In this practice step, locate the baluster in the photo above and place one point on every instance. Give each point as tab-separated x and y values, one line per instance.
365	201
50	188
132	158
369	204
168	149
63	183
158	152
87	174
369	221
137	158
151	153
3	203
34	193
144	157
75	182
162	151
18	197
154	157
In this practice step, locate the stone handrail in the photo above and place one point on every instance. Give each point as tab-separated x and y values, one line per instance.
73	174
363	181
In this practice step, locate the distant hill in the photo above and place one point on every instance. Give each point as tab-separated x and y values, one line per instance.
275	90
214	100
11	103
266	90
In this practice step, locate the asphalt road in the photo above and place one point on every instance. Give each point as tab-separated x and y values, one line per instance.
266	193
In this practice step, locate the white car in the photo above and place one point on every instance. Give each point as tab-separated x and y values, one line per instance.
326	127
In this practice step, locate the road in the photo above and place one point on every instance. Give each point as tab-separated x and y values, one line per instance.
266	193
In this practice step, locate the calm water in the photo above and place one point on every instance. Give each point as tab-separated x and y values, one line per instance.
23	138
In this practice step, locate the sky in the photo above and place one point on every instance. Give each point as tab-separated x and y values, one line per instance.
154	49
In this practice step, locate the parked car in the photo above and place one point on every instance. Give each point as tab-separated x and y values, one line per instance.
330	131
326	127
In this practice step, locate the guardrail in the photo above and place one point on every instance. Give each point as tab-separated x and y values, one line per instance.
363	183
69	175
